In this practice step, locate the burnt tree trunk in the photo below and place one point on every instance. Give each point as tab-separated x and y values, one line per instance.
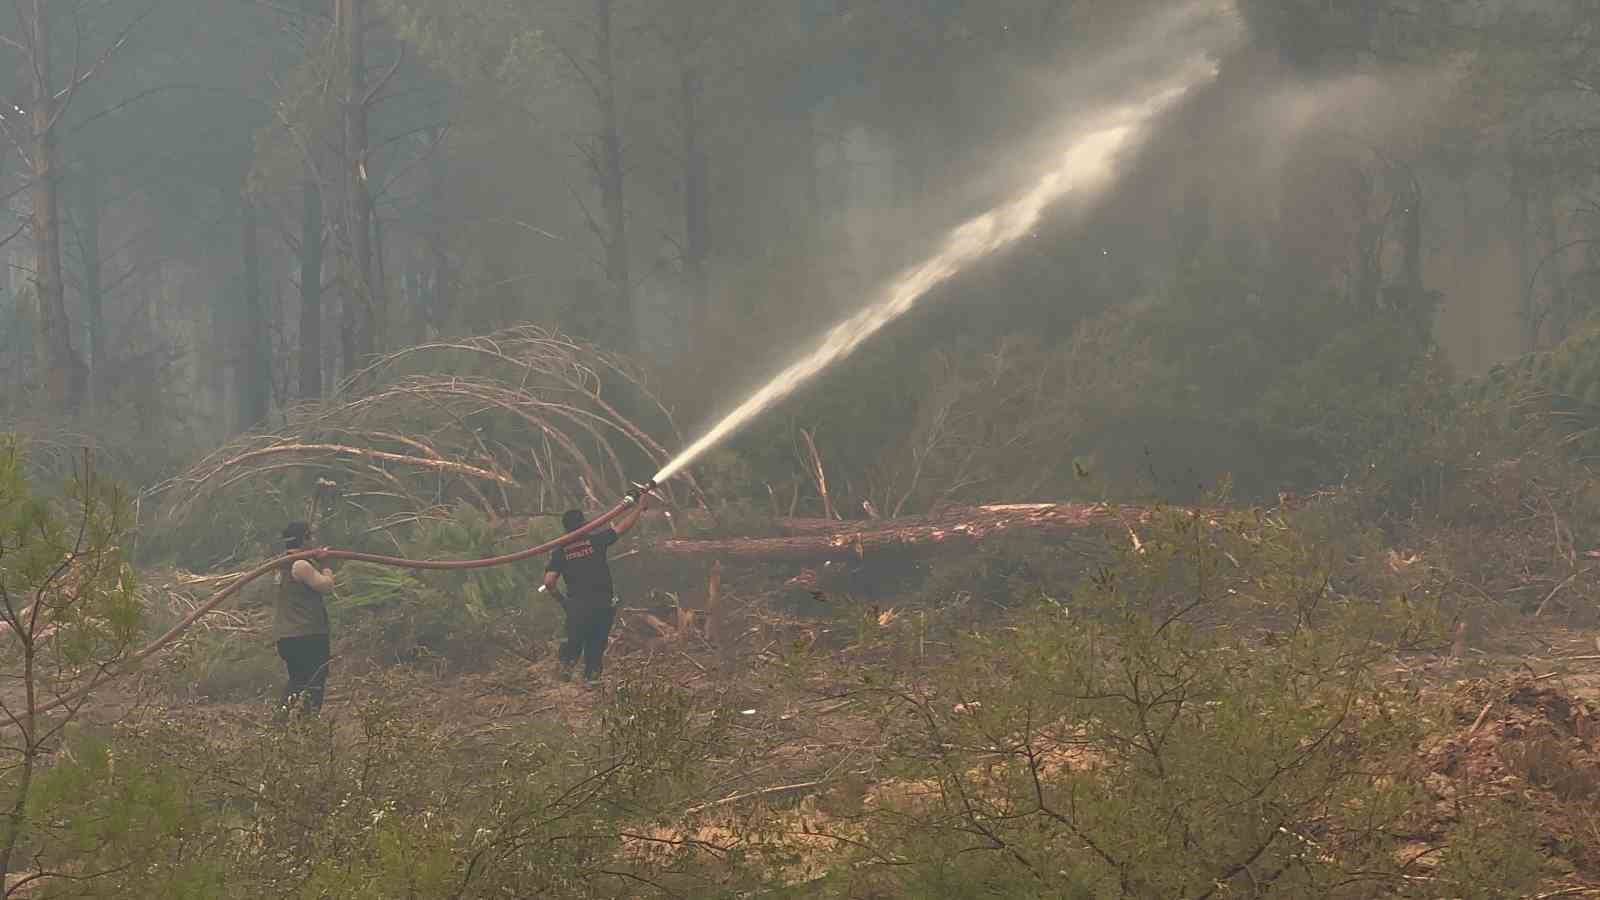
696	204
360	302
953	529
63	378
611	179
310	290
435	312
1412	239
1561	312
1522	243
311	237
253	376
89	214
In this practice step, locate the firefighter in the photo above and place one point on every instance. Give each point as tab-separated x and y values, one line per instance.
301	625
590	601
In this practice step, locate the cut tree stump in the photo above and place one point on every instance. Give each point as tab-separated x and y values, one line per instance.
962	527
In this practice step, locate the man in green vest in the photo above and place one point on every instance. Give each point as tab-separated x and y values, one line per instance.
301	625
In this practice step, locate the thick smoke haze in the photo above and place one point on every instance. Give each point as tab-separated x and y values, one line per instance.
703	190
1003	448
1165	58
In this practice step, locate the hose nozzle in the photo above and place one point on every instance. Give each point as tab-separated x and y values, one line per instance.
640	488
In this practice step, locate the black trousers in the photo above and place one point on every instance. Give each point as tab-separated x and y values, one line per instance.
306	658
588	631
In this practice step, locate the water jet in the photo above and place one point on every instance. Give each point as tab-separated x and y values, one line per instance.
1084	168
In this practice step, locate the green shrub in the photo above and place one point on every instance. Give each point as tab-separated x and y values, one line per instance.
1490	854
221	666
395	807
1136	743
68	611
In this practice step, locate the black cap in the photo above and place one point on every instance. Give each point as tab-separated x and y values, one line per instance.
296	532
572	520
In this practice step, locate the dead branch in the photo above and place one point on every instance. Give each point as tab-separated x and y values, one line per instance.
531	415
1478	722
548	357
714	602
1556	590
819	475
430	462
751	795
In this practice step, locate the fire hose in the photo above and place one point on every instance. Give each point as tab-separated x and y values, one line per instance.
106	674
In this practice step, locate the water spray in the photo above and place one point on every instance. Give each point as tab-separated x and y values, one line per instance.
1085	168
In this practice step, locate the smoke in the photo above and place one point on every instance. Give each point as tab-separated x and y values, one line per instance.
1179	98
1234	139
1270	115
1259	148
1049	104
1082	165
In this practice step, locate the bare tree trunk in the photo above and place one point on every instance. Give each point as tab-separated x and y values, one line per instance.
360	296
1369	272
221	355
696	204
63	378
611	180
311	290
435	314
253	378
1555	272
1469	237
1522	243
311	228
372	173
89	213
1413	242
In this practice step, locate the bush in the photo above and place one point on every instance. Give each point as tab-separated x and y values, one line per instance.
1137	744
68	609
397	808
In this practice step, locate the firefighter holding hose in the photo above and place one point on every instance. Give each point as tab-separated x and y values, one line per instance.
301	625
590	601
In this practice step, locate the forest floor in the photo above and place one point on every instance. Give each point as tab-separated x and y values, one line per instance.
1515	715
1521	720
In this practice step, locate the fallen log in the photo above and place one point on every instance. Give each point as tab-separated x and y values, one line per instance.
962	527
689	518
699	518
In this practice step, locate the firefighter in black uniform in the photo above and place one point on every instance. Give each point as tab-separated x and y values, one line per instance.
590	602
